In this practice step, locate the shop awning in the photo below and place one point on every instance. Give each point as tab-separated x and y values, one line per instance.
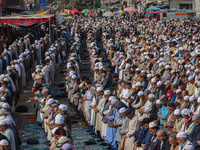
27	19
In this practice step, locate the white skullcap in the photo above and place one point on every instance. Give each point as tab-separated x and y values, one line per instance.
8	68
190	78
181	135
192	98
178	91
195	117
5	105
152	124
2	89
45	91
122	110
193	67
186	112
159	83
138	84
138	69
3	122
99	89
107	92
189	147
153	80
167	66
50	101
158	102
114	101
111	98
177	112
2	118
3	111
149	76
74	76
101	67
196	70
143	71
63	139
186	97
54	130
151	96
140	93
133	86
3	98
63	107
59	119
4	142
128	65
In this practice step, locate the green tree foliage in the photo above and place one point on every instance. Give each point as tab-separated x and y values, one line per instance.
80	4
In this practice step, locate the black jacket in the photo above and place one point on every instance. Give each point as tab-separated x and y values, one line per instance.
165	145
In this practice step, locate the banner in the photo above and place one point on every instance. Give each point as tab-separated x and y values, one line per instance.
43	3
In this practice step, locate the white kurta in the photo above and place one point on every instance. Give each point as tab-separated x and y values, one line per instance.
132	129
11	138
92	122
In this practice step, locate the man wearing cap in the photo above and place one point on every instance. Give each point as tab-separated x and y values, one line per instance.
178	122
126	93
132	129
190	86
4	144
144	110
195	135
188	126
121	136
153	145
160	90
99	108
170	120
90	93
141	133
8	133
177	96
111	129
63	111
182	140
185	103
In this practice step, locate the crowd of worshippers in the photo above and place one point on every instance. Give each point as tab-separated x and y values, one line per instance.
50	113
16	64
144	93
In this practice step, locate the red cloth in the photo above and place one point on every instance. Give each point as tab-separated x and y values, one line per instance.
170	78
169	93
184	86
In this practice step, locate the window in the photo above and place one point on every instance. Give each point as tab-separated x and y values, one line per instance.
164	14
185	6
